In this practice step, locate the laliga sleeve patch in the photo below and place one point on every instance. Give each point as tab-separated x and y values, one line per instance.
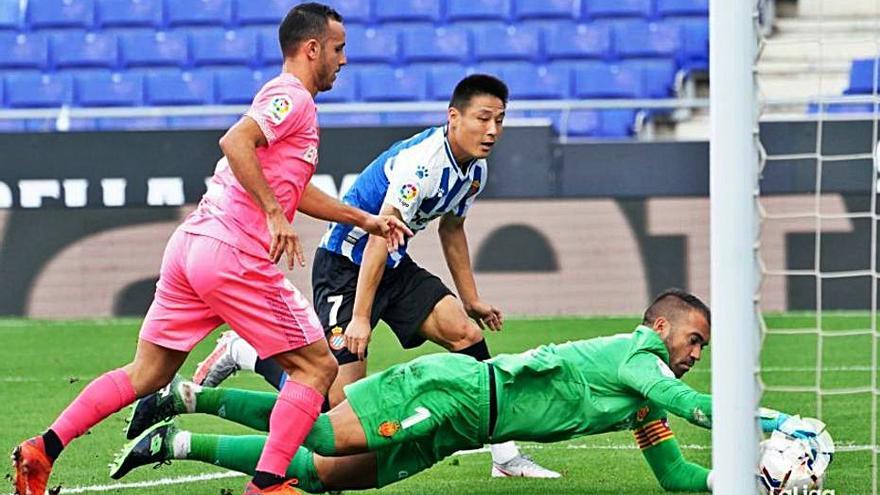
279	108
408	192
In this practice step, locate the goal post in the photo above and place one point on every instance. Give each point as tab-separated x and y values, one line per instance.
734	274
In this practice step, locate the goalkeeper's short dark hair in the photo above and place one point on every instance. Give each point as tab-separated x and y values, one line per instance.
675	303
476	85
303	22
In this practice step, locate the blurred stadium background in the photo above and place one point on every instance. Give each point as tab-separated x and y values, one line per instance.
110	112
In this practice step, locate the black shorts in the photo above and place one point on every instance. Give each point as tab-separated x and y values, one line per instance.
404	299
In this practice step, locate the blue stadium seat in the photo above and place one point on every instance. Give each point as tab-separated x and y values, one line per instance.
12	125
814	108
110	90
507	43
371	45
599	80
582	123
23	51
389	84
352	10
576	41
618	123
407	10
132	124
149	49
862	78
129	13
658	76
475	10
344	88
269	12
695	43
202	121
268	47
617	8
60	13
427	44
647	39
368	119
545	9
218	47
10	14
239	85
29	90
198	12
85	50
442	79
531	82
418	119
180	88
683	7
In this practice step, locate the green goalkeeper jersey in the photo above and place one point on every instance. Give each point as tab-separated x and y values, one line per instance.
591	386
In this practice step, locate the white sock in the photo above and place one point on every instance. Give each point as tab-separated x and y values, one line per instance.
504	452
244	354
181	444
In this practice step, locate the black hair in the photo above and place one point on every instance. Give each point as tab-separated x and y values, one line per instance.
673	304
303	22
475	85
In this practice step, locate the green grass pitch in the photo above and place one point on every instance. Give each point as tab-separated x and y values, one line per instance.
45	364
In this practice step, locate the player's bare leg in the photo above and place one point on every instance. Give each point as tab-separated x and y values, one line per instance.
348	373
152	368
352	472
449	326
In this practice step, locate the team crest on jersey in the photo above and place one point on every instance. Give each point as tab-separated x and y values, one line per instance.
388	428
336	339
279	108
642	413
408	193
475	188
421	171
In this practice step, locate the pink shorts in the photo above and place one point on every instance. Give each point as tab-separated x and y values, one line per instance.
205	282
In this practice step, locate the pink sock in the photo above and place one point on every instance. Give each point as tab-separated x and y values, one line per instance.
107	394
292	418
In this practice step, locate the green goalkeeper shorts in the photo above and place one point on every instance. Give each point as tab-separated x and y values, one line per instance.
417	413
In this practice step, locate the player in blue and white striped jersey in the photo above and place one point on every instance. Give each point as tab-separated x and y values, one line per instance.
434	174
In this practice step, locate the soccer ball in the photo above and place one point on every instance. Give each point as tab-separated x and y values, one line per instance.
790	465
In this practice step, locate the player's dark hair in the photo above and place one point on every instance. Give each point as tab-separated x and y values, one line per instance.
475	85
673	304
304	22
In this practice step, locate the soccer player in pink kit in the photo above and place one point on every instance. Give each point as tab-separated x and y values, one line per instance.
220	264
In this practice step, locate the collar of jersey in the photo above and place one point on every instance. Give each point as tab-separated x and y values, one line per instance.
646	338
461	173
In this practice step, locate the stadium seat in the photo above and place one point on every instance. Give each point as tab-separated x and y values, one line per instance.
12	125
418	119
352	10
368	119
238	85
344	88
658	76
407	10
149	49
862	78
389	84
647	39
109	90
269	12
618	123
23	51
10	15
594	9
180	88
683	7
218	47
443	78
582	123
427	44
371	45
85	50
507	43
695	43
599	80
461	10
531	82
60	13
29	90
814	108
268	46
132	124
545	9
202	121
576	41
129	13
198	12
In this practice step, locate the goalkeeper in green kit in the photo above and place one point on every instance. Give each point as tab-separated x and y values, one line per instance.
407	418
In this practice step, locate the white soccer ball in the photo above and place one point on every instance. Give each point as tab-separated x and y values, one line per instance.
791	465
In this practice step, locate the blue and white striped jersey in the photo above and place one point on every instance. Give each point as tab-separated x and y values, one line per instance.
420	178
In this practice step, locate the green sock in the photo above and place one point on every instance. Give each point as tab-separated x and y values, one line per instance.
321	439
241	453
245	407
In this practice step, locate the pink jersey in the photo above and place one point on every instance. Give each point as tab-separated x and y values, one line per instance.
287	115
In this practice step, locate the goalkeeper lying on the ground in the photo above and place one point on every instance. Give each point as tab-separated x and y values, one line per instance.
407	418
